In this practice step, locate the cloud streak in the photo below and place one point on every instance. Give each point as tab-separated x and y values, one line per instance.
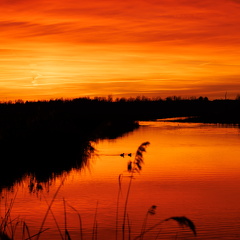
110	43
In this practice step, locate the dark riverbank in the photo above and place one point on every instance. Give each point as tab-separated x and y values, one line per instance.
45	139
102	109
49	137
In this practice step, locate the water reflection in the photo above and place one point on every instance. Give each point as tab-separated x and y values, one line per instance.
50	153
40	166
190	170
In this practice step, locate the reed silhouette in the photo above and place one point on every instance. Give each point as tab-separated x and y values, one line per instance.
134	167
8	226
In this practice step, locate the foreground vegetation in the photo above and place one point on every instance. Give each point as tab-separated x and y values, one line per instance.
46	138
12	229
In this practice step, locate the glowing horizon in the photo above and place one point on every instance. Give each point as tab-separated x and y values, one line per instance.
52	49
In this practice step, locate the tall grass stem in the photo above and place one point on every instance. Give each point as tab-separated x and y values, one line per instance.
49	207
80	221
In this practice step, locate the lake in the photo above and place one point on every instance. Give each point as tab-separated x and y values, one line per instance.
190	170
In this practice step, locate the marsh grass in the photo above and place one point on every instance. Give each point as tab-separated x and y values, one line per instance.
133	167
8	226
55	220
49	208
95	224
11	228
151	211
80	221
182	221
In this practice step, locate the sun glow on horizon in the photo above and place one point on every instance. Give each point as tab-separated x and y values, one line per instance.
118	48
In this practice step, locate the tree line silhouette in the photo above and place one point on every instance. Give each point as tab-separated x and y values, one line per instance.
43	137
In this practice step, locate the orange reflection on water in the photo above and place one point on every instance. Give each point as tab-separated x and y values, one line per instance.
190	170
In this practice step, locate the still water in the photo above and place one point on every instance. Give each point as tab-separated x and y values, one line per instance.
190	169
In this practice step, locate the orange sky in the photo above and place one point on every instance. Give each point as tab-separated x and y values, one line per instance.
72	48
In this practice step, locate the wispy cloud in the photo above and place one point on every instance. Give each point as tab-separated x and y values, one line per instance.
119	47
182	22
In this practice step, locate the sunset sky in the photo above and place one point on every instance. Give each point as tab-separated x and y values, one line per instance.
128	48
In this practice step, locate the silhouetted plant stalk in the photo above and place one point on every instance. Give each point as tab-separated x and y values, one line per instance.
49	208
37	234
9	226
133	167
25	226
55	220
67	235
80	221
182	221
118	200
95	225
151	211
129	227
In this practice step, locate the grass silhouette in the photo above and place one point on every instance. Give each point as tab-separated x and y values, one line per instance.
133	167
8	226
